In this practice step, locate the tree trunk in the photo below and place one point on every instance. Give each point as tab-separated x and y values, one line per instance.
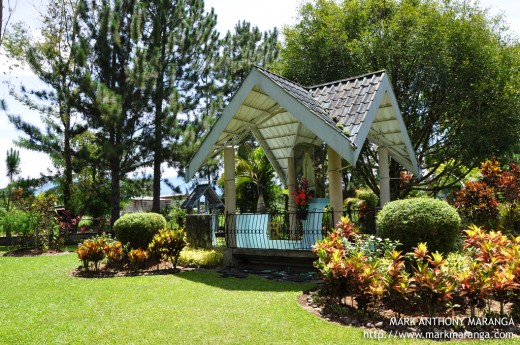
157	144
260	205
115	195
1	17
156	205
159	118
395	180
68	163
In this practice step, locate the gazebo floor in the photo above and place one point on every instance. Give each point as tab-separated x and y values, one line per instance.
295	260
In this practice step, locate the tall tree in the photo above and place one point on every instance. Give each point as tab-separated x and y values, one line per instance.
3	29
113	84
4	21
452	67
241	50
50	58
182	42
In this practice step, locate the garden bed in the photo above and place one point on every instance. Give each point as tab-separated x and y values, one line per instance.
109	272
386	323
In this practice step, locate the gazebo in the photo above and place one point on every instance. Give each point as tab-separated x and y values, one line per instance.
282	114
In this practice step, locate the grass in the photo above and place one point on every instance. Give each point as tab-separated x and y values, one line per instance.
41	304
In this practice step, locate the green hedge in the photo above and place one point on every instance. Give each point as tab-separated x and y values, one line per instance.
416	220
138	229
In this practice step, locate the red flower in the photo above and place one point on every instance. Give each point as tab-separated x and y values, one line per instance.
302	196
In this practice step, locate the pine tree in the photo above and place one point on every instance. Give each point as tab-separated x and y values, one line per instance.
239	52
49	58
181	45
113	85
243	49
4	22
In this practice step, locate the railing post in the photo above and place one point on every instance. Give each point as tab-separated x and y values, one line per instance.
230	230
231	240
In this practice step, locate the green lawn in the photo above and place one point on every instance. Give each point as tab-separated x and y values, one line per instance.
41	304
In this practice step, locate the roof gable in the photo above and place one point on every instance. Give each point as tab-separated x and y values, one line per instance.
209	193
281	114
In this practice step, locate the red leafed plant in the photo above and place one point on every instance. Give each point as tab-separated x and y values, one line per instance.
477	203
302	195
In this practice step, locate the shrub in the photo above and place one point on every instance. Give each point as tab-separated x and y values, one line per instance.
351	264
365	204
169	244
138	229
41	216
368	196
175	216
486	271
23	224
433	283
92	250
200	257
477	204
494	270
137	258
85	224
412	221
114	252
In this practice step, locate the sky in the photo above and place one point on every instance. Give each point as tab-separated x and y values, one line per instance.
265	14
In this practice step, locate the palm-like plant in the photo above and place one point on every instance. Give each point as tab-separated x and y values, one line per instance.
252	166
12	163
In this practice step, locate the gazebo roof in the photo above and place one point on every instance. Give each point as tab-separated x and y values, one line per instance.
281	114
208	192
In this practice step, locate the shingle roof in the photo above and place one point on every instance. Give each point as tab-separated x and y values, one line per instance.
348	101
342	103
299	92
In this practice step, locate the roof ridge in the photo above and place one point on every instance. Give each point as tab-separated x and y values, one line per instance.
344	80
263	70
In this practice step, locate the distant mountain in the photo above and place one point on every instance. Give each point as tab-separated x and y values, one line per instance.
176	181
47	186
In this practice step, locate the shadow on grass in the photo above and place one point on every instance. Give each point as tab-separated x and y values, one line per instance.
248	282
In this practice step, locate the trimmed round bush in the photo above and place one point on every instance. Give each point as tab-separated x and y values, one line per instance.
412	221
139	228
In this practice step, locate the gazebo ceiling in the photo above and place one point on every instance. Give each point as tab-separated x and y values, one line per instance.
282	114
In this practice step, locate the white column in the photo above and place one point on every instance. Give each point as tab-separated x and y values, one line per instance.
229	180
230	202
335	183
384	175
291	183
291	186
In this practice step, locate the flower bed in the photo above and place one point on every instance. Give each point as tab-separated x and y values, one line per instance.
165	246
367	281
